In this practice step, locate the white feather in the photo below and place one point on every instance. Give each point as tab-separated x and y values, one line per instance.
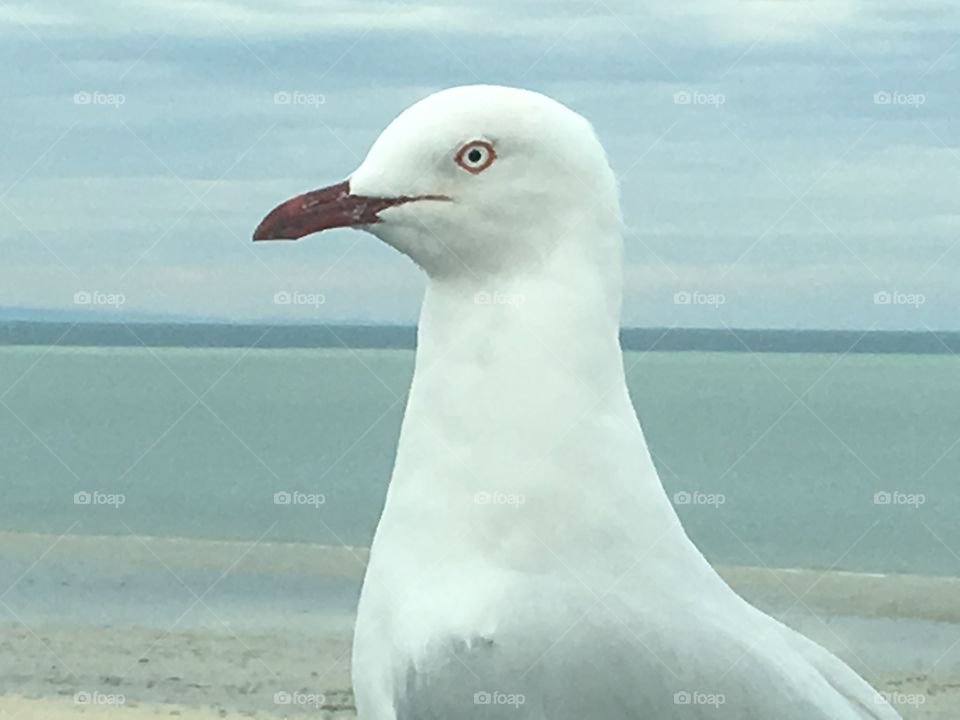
527	553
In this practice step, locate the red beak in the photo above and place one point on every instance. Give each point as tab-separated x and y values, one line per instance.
329	207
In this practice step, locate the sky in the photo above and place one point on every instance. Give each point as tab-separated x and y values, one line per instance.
783	163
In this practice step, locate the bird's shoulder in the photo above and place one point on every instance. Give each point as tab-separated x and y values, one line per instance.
625	660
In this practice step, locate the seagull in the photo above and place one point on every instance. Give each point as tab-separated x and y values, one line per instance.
528	563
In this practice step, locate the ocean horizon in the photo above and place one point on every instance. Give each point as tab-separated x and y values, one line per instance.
85	332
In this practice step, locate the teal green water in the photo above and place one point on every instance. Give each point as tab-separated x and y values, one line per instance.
796	446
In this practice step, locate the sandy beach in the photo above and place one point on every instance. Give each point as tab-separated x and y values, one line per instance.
51	673
121	628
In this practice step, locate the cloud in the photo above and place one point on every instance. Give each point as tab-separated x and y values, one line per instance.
710	189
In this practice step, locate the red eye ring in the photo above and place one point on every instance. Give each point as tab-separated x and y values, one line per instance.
475	156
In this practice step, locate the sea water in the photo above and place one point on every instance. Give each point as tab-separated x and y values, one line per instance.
785	460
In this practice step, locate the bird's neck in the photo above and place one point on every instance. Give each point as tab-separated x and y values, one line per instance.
563	314
519	421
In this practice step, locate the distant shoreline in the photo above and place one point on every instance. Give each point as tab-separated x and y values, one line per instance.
402	337
841	592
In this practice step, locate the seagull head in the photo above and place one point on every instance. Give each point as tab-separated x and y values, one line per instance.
469	180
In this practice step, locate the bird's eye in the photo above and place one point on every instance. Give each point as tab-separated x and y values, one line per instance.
475	156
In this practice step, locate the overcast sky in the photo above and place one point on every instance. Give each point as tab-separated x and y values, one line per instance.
784	161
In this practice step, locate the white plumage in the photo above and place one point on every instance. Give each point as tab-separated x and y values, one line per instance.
528	564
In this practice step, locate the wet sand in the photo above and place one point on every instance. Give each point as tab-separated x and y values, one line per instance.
124	628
